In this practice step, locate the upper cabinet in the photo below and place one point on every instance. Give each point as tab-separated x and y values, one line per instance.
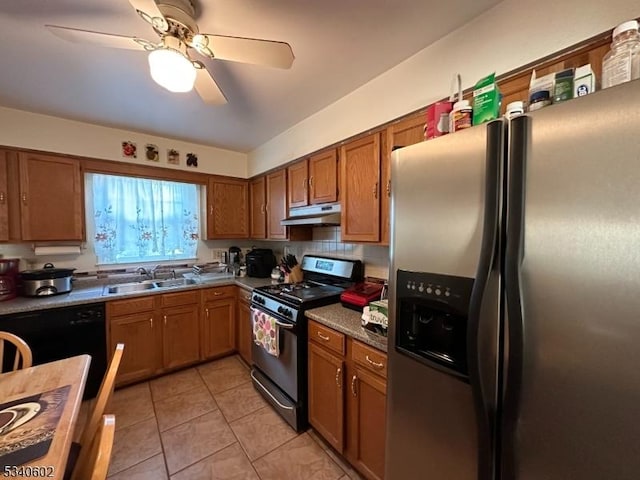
4	197
313	180
276	204
228	208
402	134
360	189
258	195
50	198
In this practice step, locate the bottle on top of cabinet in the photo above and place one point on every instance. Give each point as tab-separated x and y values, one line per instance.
622	63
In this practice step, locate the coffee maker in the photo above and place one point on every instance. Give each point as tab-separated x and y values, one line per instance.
9	269
234	259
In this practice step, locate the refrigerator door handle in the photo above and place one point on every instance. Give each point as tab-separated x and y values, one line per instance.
479	371
514	255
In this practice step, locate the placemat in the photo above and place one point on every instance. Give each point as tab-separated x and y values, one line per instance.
27	426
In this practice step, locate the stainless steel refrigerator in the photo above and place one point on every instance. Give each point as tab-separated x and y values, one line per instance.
514	338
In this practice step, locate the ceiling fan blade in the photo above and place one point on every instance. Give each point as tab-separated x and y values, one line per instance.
98	38
207	87
149	11
250	50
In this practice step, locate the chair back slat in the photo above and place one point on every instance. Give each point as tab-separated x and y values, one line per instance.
23	352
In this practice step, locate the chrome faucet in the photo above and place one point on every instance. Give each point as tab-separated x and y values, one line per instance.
145	272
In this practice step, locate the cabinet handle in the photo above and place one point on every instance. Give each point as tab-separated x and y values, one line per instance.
311	181
207	312
353	386
375	364
165	320
217	294
266	207
262	208
210	209
375	190
388	188
326	339
151	322
338	372
2	198
24	198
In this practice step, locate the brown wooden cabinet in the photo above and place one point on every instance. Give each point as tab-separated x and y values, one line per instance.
4	196
135	322
360	189
258	194
276	204
228	208
298	184
180	336
244	330
51	198
408	131
347	397
218	327
314	180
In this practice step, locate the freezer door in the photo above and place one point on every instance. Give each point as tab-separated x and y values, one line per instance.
439	205
573	382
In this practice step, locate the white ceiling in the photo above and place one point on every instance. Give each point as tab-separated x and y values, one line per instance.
339	45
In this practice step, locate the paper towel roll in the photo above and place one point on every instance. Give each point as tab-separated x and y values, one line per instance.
58	250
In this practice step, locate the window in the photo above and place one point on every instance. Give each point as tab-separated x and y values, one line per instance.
139	219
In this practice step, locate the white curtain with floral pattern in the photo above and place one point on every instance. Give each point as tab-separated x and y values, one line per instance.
139	219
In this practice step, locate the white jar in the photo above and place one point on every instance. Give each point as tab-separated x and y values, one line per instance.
461	116
514	109
622	63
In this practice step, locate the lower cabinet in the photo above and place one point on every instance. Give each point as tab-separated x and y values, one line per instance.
244	330
218	325
347	397
160	332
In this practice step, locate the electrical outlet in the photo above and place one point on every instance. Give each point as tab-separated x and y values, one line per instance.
218	254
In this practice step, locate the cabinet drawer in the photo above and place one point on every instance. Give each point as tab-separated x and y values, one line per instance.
244	295
328	338
127	307
179	298
218	293
370	358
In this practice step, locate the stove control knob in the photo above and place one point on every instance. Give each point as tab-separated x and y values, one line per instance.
281	309
421	287
260	300
288	313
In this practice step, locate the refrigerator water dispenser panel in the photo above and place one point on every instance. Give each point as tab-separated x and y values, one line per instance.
432	313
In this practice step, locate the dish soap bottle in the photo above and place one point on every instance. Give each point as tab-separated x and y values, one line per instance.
622	63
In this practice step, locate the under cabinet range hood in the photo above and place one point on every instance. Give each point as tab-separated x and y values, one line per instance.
318	215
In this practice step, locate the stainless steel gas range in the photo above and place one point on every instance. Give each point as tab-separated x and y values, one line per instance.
281	378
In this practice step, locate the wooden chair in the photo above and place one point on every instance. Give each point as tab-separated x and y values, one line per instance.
80	452
98	453
23	352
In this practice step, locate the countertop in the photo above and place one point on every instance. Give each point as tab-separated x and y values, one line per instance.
346	321
94	294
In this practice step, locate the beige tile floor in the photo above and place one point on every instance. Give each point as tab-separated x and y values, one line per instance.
209	423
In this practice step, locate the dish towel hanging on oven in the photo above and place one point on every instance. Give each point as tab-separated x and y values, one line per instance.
265	331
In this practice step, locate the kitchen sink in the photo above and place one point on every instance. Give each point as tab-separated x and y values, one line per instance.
129	287
175	282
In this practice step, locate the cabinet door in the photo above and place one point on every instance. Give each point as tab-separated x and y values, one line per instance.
244	338
4	198
298	180
326	400
218	328
51	206
402	134
258	208
180	336
228	212
276	204
323	177
360	190
140	333
367	424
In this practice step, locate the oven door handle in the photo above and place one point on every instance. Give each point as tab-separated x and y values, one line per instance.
284	407
286	326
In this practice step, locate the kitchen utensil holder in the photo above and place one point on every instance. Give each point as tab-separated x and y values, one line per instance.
294	276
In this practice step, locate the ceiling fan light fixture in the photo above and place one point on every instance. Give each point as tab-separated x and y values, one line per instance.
172	69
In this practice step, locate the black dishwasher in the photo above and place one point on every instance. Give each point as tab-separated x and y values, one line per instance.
57	333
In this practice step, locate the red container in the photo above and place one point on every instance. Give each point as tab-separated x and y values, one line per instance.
359	296
438	119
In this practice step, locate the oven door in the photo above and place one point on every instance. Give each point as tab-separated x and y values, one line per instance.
279	379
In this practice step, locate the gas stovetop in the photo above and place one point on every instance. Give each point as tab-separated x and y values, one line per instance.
299	293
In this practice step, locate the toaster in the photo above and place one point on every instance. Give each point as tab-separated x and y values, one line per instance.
260	262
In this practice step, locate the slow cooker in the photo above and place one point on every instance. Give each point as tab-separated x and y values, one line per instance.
48	280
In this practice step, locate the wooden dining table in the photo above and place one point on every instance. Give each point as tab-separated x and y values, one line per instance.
66	379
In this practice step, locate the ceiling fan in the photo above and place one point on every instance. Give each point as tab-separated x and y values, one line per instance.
169	61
